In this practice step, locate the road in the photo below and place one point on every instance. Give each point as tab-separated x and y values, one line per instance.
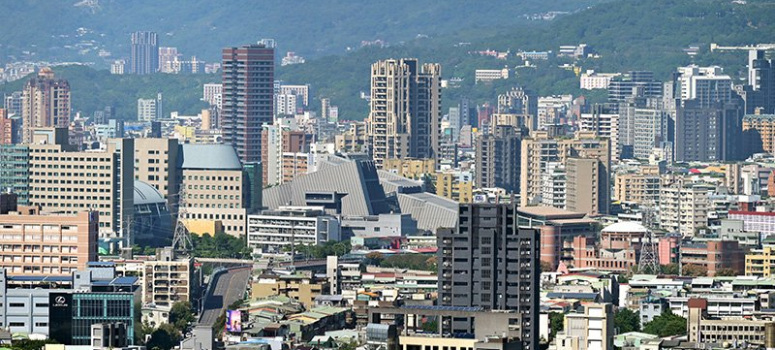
228	288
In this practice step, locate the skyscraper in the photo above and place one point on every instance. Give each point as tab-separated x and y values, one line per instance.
46	103
490	262
248	98
760	92
405	116
145	53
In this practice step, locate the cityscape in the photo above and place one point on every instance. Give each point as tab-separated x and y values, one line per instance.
503	175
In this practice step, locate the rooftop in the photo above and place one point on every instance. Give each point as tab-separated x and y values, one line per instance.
210	157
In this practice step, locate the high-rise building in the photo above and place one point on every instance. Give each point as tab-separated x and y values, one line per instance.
68	181
46	103
211	93
15	171
760	92
497	159
405	116
587	181
706	85
169	279
708	133
285	104
248	98
13	103
490	262
521	102
149	109
540	150
278	143
759	133
641	187
683	206
631	84
144	58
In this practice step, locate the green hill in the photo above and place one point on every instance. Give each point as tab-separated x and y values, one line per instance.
50	29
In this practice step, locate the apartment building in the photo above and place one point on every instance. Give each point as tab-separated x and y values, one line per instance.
683	206
32	243
69	182
497	155
591	328
540	150
455	185
760	262
46	103
169	279
640	187
410	168
405	116
760	128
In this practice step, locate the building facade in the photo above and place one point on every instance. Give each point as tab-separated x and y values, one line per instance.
276	231
248	98
46	103
497	159
144	58
405	116
490	262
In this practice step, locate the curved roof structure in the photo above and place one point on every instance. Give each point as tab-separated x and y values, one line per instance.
626	226
210	157
147	194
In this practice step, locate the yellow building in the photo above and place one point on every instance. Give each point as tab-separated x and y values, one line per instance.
301	288
455	186
409	167
201	227
185	132
759	262
641	187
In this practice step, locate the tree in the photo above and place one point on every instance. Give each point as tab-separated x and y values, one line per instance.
546	267
165	337
666	324
374	258
28	344
181	315
695	270
670	269
627	320
726	272
556	323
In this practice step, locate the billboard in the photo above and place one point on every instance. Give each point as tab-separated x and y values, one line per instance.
233	321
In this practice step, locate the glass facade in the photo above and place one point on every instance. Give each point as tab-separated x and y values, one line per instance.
85	309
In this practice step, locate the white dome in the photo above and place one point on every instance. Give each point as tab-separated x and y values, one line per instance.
147	194
626	226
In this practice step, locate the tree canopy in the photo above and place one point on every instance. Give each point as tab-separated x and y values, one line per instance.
666	324
626	320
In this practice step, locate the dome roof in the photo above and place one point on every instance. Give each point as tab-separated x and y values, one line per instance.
147	194
626	226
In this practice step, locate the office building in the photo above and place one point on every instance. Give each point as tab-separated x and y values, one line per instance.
497	159
149	109
46	244
556	227
46	103
591	328
144	58
704	329
66	181
64	308
760	91
405	116
217	188
714	256
651	126
277	231
156	163
488	261
248	98
631	84
541	149
586	186
617	250
15	171
706	85
169	279
591	80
